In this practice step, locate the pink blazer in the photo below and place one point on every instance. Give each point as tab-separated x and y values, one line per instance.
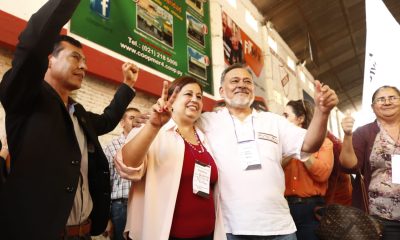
153	195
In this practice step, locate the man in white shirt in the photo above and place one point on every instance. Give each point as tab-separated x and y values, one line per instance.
248	147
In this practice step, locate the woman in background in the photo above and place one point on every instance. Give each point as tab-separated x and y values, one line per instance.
306	181
372	149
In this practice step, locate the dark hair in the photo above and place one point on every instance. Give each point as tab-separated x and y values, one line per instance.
231	67
383	87
181	82
259	104
302	108
219	104
57	48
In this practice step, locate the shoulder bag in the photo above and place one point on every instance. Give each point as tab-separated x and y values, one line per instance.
349	223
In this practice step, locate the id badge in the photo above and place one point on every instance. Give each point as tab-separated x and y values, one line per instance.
201	179
248	155
396	169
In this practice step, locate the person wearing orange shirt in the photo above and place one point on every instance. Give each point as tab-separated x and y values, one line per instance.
306	181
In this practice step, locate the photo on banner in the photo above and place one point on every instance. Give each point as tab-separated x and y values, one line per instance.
168	36
239	48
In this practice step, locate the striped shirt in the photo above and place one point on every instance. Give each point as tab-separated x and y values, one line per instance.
119	186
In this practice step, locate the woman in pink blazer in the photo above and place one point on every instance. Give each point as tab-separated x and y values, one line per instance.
175	194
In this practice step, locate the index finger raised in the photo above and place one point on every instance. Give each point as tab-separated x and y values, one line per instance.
171	100
164	93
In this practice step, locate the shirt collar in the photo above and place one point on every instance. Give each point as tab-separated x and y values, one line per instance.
253	113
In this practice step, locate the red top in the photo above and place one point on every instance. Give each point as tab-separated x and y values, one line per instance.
194	216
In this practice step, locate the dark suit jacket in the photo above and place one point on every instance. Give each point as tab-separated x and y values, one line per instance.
37	198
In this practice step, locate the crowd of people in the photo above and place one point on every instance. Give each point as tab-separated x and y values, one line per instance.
237	173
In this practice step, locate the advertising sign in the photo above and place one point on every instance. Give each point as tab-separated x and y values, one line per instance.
169	36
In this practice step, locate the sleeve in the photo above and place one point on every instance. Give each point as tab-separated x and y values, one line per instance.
130	173
292	138
112	114
322	166
21	84
204	123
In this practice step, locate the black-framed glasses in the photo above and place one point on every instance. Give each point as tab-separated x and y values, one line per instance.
382	100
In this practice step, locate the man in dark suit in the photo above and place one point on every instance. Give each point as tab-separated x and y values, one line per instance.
58	187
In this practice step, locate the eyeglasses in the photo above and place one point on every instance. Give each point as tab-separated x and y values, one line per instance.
382	100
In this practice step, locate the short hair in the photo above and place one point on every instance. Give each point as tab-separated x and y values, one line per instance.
181	82
231	67
383	87
302	108
57	48
130	109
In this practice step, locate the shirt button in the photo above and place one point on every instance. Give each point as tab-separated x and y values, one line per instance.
69	189
295	178
292	190
74	162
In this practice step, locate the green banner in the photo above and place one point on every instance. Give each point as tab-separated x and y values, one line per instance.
169	36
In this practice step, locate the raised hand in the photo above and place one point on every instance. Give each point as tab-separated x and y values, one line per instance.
130	72
162	110
325	98
348	123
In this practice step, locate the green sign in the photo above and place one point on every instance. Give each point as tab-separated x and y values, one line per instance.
169	36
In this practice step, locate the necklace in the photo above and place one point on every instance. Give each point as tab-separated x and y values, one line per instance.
201	150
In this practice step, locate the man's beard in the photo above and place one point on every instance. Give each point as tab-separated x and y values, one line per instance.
240	103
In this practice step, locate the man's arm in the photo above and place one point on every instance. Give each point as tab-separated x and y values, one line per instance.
22	82
325	99
113	113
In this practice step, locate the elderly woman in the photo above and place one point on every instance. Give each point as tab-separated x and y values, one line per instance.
370	150
174	195
306	182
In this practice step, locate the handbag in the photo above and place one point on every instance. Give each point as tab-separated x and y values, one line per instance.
349	223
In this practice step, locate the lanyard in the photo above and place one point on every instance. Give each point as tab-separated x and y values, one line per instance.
235	129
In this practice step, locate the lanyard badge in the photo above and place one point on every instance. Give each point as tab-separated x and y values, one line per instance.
396	168
247	146
201	179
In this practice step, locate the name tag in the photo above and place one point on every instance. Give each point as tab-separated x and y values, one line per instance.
396	169
201	179
248	155
268	137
